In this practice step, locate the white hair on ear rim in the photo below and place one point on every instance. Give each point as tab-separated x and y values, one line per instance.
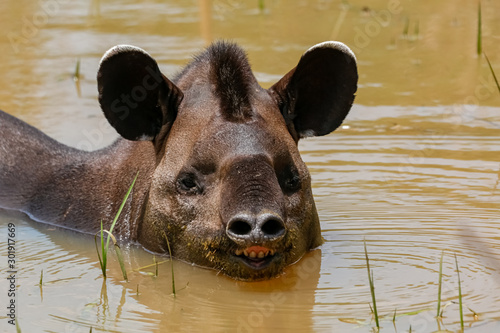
307	133
334	45
121	49
144	137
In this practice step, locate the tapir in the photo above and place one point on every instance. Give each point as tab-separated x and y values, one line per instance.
220	177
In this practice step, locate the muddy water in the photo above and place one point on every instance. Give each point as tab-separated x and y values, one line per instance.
414	171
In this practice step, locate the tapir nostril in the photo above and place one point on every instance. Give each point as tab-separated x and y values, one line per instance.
256	228
273	227
239	227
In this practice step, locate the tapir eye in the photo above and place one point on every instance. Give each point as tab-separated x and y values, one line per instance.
187	183
293	183
289	177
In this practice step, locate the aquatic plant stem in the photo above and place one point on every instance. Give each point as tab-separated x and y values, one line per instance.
171	263
262	5
460	296
121	208
18	328
76	75
156	265
492	72
440	284
479	32
105	245
372	287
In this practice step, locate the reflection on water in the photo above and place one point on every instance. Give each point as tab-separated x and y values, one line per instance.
415	170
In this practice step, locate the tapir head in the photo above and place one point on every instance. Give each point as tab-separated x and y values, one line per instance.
230	190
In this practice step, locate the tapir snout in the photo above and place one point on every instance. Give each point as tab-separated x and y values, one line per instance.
220	175
253	204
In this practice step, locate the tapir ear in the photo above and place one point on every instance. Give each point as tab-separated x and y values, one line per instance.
316	96
135	97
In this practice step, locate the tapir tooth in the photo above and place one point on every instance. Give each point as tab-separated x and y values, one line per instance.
261	255
245	252
238	252
253	254
272	252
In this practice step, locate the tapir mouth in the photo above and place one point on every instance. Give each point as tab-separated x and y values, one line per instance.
256	257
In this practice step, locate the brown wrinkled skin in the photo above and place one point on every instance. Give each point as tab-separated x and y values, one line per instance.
220	175
193	223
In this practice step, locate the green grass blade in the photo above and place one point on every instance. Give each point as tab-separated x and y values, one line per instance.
156	265
76	76
41	278
406	27
103	255
118	254
411	313
479	33
171	263
105	248
18	328
460	296
140	269
372	288
440	284
103	268
262	5
120	260
171	267
492	72
121	207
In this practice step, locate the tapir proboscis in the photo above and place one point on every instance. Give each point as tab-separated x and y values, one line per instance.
219	172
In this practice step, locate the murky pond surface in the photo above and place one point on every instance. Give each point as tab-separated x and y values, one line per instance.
414	171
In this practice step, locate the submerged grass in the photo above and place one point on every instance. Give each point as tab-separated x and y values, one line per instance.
105	244
372	288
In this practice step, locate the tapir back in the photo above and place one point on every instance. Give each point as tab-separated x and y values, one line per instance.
55	184
26	154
